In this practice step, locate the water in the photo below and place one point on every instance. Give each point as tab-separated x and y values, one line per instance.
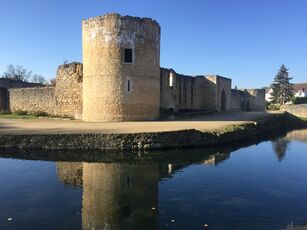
261	186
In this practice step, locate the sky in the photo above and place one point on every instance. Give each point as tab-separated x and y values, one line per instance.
246	40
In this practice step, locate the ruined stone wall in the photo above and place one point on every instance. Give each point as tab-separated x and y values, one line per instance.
168	101
68	91
4	100
114	90
221	84
120	196
184	93
208	95
33	100
184	86
65	99
256	98
237	100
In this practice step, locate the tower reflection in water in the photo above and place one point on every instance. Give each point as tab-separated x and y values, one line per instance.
121	195
115	196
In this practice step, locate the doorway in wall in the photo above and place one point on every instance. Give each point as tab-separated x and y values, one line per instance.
223	101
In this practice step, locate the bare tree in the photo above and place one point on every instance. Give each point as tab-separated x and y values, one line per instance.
17	72
52	81
37	78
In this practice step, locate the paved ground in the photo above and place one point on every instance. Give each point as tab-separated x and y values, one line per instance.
204	122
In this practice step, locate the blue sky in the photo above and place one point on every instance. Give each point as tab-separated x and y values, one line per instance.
246	40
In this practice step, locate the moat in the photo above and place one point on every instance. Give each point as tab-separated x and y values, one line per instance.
260	186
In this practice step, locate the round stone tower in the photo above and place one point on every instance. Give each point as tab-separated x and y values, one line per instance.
121	68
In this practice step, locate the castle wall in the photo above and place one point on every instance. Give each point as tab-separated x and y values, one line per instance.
4	107
168	100
185	93
65	99
68	90
114	90
222	84
256	99
237	100
120	196
33	99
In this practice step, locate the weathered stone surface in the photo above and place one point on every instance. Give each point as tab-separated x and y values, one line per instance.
248	100
33	99
182	92
256	99
297	110
65	99
114	90
68	90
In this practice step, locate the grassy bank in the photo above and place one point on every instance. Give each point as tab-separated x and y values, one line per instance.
17	116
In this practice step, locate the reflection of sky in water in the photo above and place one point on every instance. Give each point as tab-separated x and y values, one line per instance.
257	187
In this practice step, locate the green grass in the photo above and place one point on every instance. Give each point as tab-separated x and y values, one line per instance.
16	116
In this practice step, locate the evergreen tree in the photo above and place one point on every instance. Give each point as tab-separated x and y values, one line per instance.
282	88
280	147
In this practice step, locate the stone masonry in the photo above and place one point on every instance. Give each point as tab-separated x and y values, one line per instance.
121	80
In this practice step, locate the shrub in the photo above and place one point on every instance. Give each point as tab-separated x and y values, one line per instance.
300	100
273	106
40	114
20	112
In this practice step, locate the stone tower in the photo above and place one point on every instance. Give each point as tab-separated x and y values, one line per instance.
121	68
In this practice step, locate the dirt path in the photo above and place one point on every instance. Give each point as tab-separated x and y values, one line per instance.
204	122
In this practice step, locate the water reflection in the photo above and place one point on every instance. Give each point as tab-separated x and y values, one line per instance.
297	135
281	145
119	195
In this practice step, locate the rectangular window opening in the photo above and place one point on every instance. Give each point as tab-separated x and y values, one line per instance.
171	79
128	56
128	86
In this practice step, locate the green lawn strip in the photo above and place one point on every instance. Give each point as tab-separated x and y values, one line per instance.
16	116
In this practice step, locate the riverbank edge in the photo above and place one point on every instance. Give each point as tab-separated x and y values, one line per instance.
155	140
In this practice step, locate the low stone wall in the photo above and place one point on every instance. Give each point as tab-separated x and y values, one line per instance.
297	110
143	141
65	99
32	99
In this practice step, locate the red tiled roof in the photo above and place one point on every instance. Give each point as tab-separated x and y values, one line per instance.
299	86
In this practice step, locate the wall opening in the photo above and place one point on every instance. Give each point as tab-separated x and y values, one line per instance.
128	56
128	86
223	101
171	79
